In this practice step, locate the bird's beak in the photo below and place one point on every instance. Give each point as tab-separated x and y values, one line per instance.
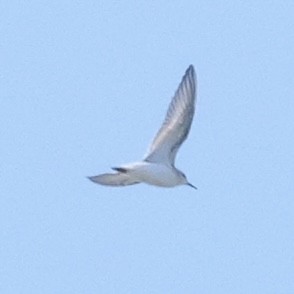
189	184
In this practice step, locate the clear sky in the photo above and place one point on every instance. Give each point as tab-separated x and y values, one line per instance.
84	85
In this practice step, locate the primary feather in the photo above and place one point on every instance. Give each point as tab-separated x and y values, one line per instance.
117	179
177	123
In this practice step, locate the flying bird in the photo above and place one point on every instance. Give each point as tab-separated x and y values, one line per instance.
158	165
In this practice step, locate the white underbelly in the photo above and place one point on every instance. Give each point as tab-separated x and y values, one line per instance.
155	174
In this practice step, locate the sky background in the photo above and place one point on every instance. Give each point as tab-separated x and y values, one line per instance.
84	85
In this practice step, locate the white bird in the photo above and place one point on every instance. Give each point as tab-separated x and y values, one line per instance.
157	168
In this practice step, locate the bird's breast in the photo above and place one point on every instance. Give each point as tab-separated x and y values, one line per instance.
155	174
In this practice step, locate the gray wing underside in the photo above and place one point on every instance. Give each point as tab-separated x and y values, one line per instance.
177	123
115	180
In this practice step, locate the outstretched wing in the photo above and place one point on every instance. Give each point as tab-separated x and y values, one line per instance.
116	180
177	123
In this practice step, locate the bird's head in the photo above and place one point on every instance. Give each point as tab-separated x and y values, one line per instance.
184	180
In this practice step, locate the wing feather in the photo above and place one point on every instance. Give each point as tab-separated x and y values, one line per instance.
177	123
116	180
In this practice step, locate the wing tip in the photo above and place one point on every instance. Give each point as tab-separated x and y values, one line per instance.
92	178
191	71
190	67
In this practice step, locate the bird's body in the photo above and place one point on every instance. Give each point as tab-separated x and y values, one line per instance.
157	167
157	174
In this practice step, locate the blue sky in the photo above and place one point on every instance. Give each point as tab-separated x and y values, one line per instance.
84	85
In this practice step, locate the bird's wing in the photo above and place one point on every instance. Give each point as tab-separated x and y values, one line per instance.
116	180
177	123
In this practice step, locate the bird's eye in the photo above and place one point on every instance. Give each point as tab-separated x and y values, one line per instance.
184	176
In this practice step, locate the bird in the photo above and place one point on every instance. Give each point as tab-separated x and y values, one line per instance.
158	165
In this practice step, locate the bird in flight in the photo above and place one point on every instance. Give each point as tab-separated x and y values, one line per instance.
158	166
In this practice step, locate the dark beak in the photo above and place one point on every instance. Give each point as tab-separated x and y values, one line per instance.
192	186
